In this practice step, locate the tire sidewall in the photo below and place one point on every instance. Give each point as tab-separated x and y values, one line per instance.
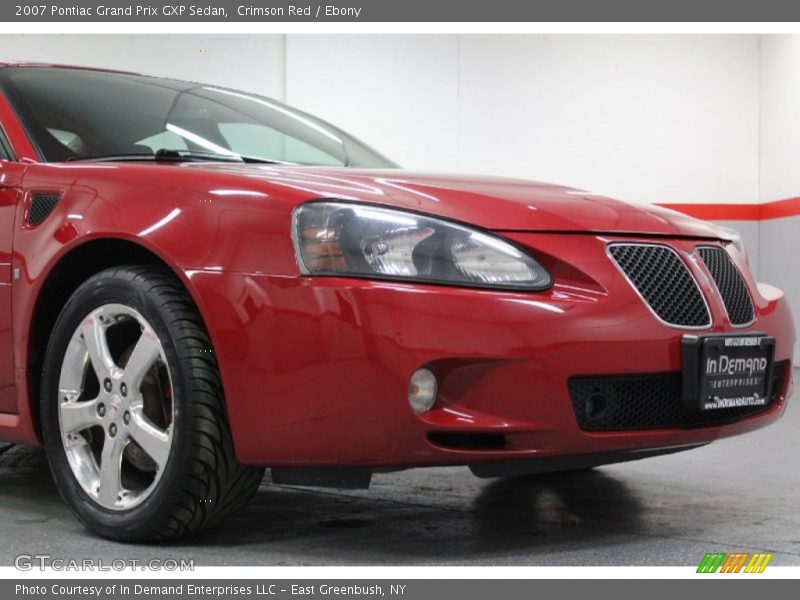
117	287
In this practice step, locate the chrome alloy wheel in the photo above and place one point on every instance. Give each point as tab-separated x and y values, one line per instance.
116	407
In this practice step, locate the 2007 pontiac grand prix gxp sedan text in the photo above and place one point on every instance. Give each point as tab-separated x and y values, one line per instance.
197	283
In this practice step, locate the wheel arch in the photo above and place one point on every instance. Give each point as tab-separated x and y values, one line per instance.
71	270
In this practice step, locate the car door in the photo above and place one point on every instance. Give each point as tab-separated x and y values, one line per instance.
10	178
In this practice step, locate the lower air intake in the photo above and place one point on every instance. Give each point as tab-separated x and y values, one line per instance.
615	403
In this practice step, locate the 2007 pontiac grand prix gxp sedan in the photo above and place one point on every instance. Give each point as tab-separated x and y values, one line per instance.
197	283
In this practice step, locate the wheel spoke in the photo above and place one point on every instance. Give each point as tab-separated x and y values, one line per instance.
142	358
114	424
155	442
77	416
111	470
94	336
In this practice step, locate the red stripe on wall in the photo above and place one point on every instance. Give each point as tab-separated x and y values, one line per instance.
779	209
718	212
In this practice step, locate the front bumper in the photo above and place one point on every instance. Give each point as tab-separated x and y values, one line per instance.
316	370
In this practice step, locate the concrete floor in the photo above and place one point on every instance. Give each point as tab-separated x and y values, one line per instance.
736	494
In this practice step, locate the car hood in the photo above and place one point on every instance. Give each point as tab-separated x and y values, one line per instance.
494	203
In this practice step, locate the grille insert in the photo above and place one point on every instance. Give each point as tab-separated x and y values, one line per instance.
730	284
615	403
41	207
662	279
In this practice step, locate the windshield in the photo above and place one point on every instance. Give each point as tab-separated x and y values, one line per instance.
74	114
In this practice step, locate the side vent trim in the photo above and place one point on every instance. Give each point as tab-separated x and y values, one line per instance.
40	208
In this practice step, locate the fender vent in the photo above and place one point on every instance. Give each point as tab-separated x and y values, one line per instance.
41	207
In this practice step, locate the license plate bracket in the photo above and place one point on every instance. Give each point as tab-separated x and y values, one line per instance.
727	370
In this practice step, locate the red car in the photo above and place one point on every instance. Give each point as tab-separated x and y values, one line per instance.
197	283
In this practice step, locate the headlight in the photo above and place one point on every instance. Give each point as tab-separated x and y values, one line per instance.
337	238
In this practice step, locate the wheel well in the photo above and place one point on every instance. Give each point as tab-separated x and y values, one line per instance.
66	277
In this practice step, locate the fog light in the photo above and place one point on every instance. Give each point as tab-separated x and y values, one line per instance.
422	390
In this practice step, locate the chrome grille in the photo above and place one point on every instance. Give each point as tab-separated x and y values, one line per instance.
730	284
664	282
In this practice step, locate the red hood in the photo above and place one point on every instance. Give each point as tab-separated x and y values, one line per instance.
489	202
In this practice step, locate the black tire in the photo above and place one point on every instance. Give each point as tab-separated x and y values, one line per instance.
202	482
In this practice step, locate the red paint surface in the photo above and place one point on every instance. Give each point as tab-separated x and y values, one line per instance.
315	370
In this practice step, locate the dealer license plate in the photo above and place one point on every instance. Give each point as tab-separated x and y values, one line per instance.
727	371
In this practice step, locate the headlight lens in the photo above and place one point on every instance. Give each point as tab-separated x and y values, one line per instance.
338	238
